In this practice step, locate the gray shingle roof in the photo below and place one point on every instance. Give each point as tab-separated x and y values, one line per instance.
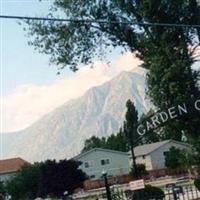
99	149
148	148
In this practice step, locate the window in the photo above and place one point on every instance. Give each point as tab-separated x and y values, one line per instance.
165	153
92	176
105	162
87	165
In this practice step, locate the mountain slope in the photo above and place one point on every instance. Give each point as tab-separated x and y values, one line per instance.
61	133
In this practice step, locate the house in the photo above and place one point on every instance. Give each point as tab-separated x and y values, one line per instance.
9	167
153	155
97	160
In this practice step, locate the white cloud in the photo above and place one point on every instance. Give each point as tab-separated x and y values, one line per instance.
30	102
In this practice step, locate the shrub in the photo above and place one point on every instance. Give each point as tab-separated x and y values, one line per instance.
197	183
149	192
141	170
2	191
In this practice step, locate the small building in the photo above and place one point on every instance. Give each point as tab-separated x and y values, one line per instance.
153	155
94	161
9	167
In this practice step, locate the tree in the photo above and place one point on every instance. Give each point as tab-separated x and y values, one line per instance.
187	161
25	184
167	52
115	142
179	158
58	177
74	42
141	170
49	178
172	158
197	183
94	142
129	129
2	191
196	162
148	193
151	136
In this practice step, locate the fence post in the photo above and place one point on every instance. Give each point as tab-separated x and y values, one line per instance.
187	192
174	194
183	194
197	196
191	190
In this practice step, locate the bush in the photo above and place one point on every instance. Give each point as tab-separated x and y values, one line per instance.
2	191
197	183
49	178
149	192
141	170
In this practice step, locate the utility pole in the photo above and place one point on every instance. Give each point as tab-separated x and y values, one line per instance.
108	192
134	162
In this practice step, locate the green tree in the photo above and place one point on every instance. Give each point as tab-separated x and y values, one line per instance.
187	161
151	136
25	184
2	191
74	42
179	158
58	177
172	158
49	178
129	130
197	162
148	193
141	170
197	183
167	52
115	142
94	142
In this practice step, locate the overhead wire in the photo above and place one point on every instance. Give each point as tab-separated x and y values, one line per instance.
100	21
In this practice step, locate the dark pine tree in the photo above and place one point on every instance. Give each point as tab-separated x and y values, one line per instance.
130	132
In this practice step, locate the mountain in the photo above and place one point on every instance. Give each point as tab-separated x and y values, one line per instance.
61	133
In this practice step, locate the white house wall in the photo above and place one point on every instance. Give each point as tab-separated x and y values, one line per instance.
6	176
118	163
157	156
146	160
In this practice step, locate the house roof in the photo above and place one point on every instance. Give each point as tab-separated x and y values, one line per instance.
11	165
148	148
99	149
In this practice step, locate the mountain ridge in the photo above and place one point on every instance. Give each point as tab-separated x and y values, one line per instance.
61	133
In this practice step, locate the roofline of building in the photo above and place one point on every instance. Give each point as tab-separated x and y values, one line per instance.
99	149
22	163
15	158
127	153
166	142
8	172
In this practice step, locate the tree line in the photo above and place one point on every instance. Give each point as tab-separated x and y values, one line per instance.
127	135
44	179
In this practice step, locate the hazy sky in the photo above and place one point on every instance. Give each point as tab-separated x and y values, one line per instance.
30	86
21	64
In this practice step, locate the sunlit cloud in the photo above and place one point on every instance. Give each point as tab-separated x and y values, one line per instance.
30	102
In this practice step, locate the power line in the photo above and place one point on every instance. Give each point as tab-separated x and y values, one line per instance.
99	21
